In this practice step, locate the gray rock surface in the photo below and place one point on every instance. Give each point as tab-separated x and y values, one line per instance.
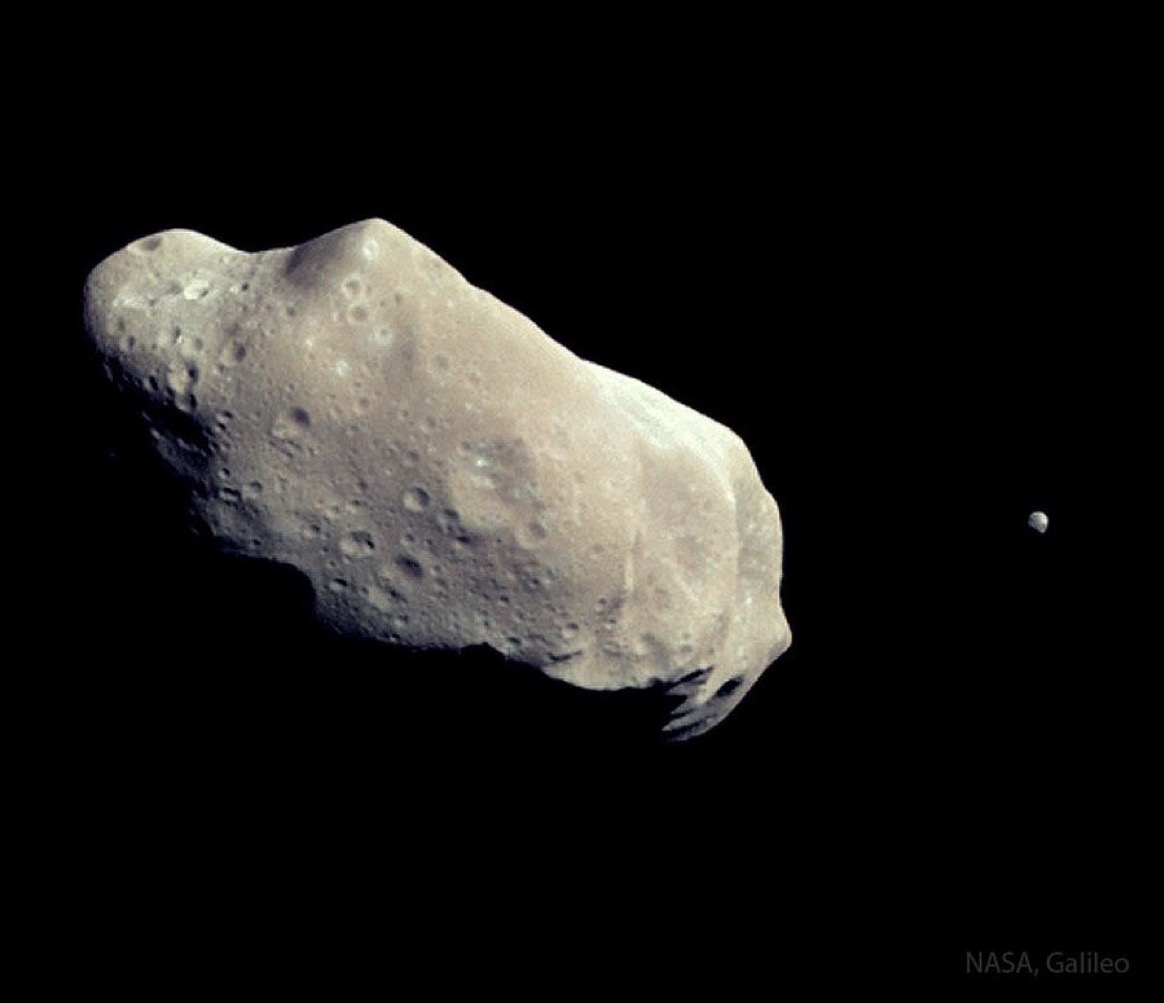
444	473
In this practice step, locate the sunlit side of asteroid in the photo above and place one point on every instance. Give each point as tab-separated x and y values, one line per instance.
441	471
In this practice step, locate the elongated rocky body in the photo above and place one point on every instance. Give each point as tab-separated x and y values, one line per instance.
444	473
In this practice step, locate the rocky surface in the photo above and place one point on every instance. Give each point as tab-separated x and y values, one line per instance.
442	472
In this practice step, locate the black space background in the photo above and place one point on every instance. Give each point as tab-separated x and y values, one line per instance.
909	285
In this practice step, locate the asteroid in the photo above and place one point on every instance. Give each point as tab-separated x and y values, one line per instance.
1038	521
442	472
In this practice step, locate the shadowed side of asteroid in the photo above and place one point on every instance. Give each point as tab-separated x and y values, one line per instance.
220	654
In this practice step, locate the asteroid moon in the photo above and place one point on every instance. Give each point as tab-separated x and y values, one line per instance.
443	472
